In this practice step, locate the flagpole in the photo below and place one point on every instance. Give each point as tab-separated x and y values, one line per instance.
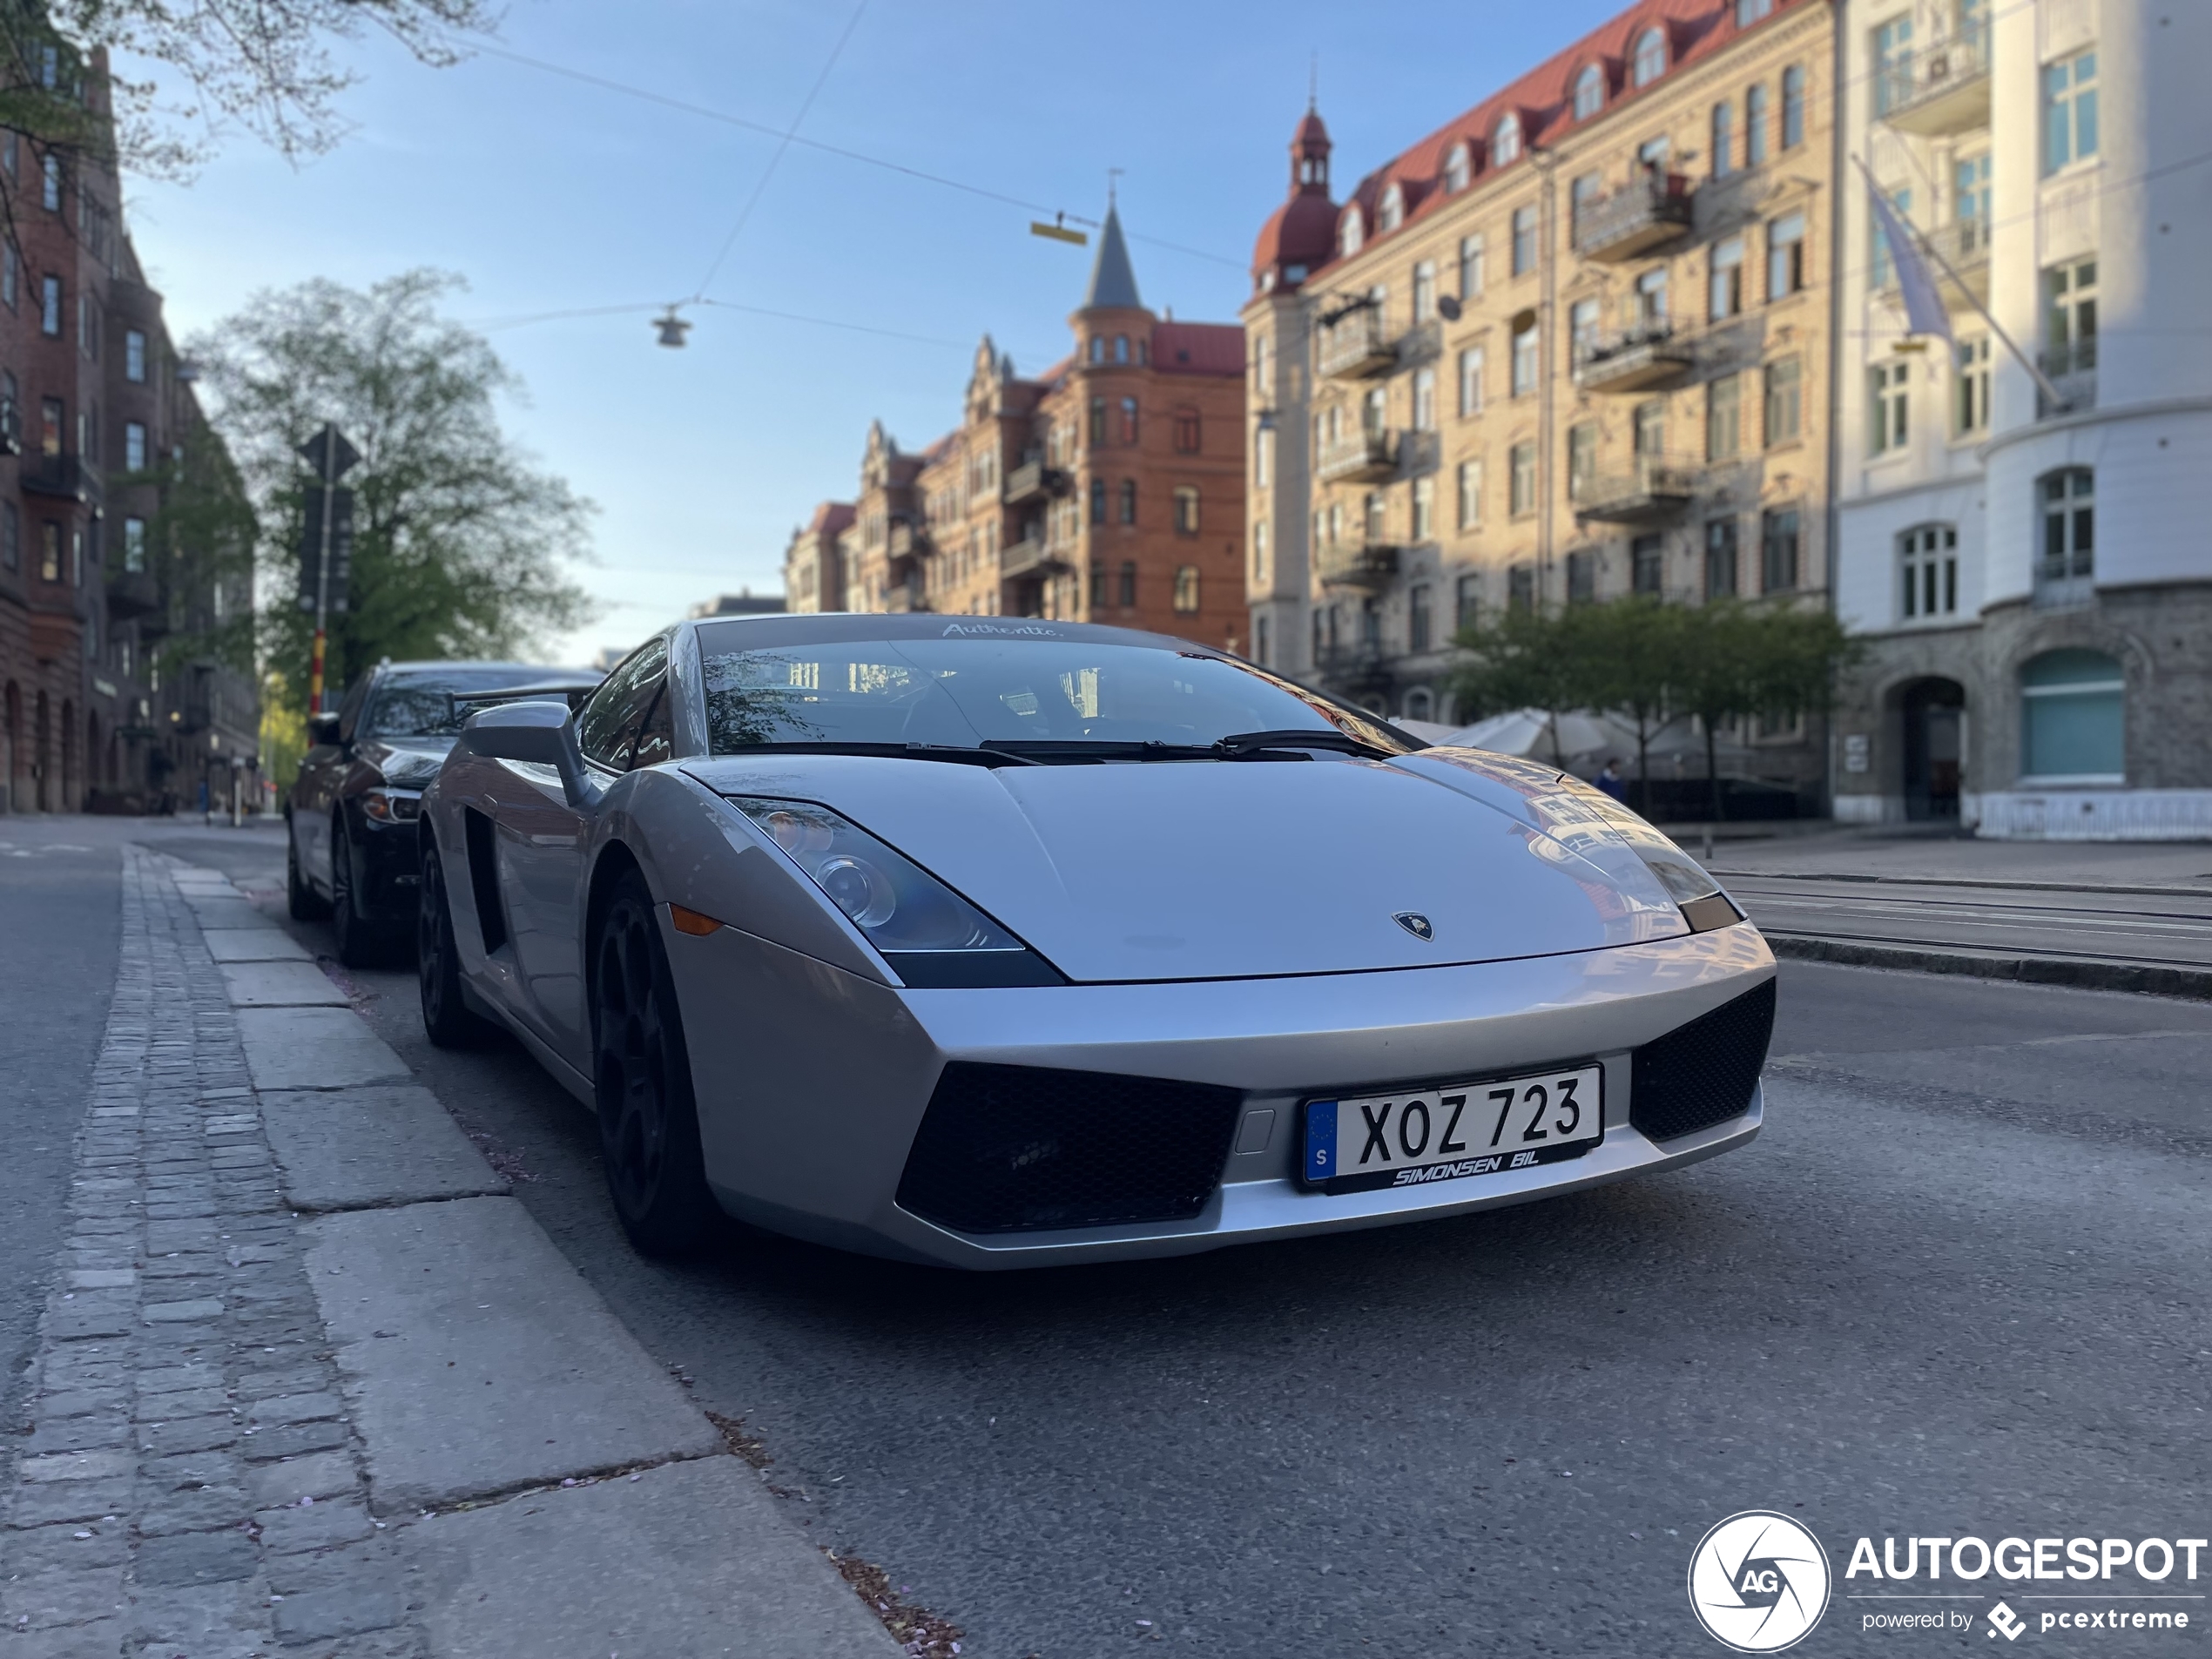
2059	399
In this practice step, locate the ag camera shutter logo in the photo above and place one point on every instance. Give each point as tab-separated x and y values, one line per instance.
1758	1582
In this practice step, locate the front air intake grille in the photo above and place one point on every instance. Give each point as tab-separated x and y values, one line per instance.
1702	1073
1012	1148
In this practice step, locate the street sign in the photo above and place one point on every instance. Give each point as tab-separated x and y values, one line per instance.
330	467
341	549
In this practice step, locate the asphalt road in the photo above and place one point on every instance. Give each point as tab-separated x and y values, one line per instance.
1957	1287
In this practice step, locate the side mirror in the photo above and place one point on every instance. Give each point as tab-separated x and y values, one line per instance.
541	734
323	730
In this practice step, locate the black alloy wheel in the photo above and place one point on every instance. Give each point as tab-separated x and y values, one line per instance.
649	1128
302	901
446	1015
360	944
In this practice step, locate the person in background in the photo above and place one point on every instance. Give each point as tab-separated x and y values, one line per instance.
1610	781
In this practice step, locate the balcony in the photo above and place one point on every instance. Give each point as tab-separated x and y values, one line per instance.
1943	90
1361	457
1357	671
908	540
1964	244
1354	346
133	593
1634	219
2072	368
905	599
1033	481
1652	491
61	477
1364	564
1029	557
1637	359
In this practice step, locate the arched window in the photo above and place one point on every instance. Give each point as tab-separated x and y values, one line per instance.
1120	348
1098	500
1097	421
1186	510
1505	140
1420	703
1098	348
1651	57
1129	583
1187	432
1393	212
1458	168
2074	719
1589	92
1129	420
1186	588
1352	234
1128	500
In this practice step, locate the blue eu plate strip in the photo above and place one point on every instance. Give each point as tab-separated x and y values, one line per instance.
1320	1140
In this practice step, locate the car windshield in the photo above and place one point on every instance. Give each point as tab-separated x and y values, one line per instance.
412	705
1085	687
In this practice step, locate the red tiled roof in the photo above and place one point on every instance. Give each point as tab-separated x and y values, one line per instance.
830	517
1544	98
1198	349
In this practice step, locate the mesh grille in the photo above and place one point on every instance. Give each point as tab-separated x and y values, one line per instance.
1007	1149
1704	1073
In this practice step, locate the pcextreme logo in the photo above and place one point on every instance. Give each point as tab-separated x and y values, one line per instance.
1758	1582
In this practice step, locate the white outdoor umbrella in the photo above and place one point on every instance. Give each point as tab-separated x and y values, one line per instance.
1528	732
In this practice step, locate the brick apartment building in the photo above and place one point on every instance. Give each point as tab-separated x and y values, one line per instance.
1109	489
106	700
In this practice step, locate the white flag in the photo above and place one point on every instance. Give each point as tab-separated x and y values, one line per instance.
1923	308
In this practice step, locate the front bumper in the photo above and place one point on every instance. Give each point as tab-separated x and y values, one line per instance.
387	868
811	1082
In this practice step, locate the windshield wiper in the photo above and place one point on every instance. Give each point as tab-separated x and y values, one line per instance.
1079	751
1242	743
958	753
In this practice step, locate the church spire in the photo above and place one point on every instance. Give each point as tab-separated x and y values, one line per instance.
1113	281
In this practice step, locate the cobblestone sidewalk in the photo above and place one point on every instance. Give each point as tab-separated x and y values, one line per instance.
188	1486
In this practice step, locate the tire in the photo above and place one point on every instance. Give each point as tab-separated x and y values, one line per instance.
360	943
446	1015
649	1126
301	901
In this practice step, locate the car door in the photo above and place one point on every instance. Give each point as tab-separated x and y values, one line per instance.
315	795
543	842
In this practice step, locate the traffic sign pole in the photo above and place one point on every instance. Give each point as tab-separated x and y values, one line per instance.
322	571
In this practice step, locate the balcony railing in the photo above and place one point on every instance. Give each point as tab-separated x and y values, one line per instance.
1942	90
1641	215
1358	670
64	478
1364	456
909	541
1637	359
1029	557
1365	564
1652	490
1032	481
2071	367
1355	347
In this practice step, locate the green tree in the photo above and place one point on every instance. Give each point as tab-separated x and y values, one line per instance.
1528	658
458	544
1740	661
1634	648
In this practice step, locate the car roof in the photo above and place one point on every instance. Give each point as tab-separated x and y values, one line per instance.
827	625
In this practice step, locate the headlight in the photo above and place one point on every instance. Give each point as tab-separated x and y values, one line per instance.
928	932
392	805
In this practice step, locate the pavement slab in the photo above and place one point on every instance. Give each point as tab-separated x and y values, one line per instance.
254	945
276	985
230	914
379	1144
525	1575
314	1048
470	1384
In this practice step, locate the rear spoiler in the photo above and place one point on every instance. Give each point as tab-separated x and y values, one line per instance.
571	692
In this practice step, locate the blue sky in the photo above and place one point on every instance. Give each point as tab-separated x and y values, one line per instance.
547	195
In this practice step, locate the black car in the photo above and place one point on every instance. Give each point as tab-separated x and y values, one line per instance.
350	822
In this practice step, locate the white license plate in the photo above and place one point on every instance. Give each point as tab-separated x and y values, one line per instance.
1487	1128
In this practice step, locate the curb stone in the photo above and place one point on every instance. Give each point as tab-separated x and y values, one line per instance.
2085	972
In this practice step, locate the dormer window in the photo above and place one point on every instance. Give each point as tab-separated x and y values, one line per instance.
1392	213
1352	234
1458	168
1589	92
1505	141
1651	57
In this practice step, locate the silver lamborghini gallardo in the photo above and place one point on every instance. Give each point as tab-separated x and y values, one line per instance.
996	942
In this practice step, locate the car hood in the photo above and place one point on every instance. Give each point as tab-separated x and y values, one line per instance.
1222	870
405	763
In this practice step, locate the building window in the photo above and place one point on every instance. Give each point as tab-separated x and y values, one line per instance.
1581	325
2074	719
1724	417
1889	399
1259	554
1581	458
1784	400
2070	318
1970	204
1973	384
1589	92
134	544
1892	64
10	275
1581	195
1129	584
1785	256
2069	110
1647	568
1098	500
1524	240
1263	364
1778	549
1720	557
1392	214
1186	588
50	306
1505	140
1470	479
1098	588
1466	603
1351	233
1425	507
1650	428
1521	486
1470	380
1186	509
1651	57
1186	432
1581	576
2068	500
1374	412
1524	360
1424	399
1374	515
1417	617
1424	292
50	550
1128	500
1652	153
1928	568
1097	421
1129	420
1793	107
1457	170
1750	11
134	446
11	536
1648	303
1723	138
50	184
51	425
1263	457
1470	272
1726	297
1520	588
1755	125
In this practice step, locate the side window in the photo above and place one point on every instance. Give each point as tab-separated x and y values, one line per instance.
612	716
350	711
657	737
